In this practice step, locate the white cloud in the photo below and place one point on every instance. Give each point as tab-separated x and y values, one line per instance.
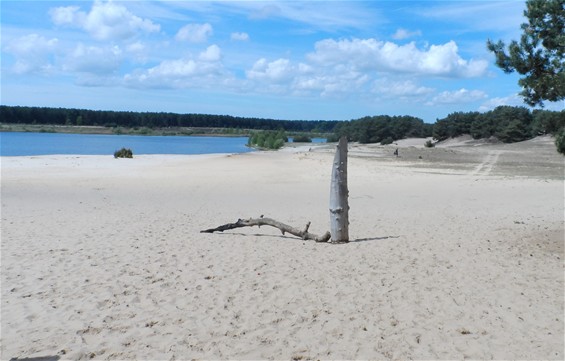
458	97
336	85
370	54
195	33
402	34
476	15
240	36
93	59
203	71
266	11
511	100
400	89
105	21
276	71
32	53
312	14
67	15
284	76
211	54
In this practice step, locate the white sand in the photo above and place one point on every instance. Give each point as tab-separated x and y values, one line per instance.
457	254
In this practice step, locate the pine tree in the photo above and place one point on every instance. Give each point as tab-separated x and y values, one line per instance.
539	55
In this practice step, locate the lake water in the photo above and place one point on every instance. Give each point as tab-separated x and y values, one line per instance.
26	144
20	144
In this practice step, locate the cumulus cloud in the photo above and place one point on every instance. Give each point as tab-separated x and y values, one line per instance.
367	66
105	21
203	71
371	54
211	54
32	53
512	100
282	75
240	36
402	34
94	60
194	33
336	85
275	71
398	88
67	15
458	96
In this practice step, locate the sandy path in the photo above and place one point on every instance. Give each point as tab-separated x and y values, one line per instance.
453	257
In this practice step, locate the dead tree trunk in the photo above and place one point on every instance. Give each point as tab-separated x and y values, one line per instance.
339	208
339	193
304	234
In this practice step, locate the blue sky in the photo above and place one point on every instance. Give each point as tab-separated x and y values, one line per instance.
310	60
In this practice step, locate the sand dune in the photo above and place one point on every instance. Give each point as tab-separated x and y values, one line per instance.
457	252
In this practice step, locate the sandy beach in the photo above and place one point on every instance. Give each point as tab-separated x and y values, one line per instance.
456	252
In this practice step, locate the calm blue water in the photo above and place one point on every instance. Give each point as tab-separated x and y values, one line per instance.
18	144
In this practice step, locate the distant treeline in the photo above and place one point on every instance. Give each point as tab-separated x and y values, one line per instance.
383	129
84	117
509	124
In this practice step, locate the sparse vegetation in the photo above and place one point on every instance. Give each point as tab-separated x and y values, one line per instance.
302	138
560	141
268	139
429	144
387	140
123	153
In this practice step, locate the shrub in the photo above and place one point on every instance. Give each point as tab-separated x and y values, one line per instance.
267	139
429	144
332	138
387	140
123	153
560	141
302	139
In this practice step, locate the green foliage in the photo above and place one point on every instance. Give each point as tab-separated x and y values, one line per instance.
387	140
302	139
378	128
123	153
332	138
560	141
509	124
454	125
112	119
429	144
540	54
545	122
268	139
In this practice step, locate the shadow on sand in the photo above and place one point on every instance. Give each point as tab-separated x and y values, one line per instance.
298	239
41	358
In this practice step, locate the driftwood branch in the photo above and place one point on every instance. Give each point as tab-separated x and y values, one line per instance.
284	228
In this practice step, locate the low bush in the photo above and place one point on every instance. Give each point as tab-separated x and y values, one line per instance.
302	139
429	144
123	153
268	139
560	141
387	140
332	138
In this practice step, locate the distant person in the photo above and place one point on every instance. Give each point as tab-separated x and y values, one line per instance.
396	152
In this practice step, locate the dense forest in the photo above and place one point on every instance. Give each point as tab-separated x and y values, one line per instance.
64	116
508	124
383	129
